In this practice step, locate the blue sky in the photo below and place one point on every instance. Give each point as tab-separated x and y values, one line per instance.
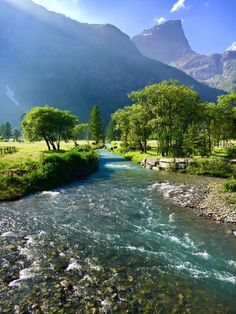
210	25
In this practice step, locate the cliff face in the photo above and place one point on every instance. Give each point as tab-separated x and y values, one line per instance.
167	43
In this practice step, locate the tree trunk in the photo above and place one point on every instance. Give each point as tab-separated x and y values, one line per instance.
145	146
53	145
47	142
58	142
141	146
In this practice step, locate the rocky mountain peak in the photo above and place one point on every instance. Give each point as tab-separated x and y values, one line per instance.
232	47
165	42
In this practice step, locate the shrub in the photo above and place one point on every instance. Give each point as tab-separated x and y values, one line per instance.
231	152
51	171
230	186
214	168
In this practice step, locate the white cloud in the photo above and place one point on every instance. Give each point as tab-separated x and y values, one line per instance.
232	47
160	20
180	4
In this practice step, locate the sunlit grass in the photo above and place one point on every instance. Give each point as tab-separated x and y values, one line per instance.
30	151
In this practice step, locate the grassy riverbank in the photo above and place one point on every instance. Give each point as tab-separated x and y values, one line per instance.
32	168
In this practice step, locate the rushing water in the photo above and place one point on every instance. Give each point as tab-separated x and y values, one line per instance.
110	244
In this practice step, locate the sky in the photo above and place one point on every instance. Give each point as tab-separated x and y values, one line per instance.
209	25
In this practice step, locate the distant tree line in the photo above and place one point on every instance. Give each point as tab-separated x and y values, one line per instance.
6	132
176	118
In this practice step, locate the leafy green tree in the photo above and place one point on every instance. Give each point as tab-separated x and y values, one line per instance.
80	132
121	119
140	128
96	125
49	124
170	109
16	135
225	119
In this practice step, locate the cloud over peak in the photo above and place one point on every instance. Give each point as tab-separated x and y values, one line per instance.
180	4
160	20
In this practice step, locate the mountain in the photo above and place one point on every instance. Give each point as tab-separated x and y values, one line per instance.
167	43
47	58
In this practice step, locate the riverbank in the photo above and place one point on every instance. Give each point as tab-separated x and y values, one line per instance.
205	198
203	194
44	171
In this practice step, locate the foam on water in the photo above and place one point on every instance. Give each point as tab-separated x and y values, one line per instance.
203	255
232	263
25	274
8	234
119	166
74	265
51	193
225	276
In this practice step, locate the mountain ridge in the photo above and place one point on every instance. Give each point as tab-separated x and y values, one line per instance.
167	43
72	65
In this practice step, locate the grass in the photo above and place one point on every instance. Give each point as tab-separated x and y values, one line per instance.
210	167
32	168
31	151
230	186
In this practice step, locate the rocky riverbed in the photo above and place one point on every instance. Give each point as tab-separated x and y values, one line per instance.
202	197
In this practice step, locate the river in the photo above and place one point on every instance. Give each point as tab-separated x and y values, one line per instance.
110	244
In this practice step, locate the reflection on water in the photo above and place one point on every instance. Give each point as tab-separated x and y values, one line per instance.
109	243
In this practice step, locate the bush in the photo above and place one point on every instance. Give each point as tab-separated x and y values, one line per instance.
209	167
230	186
231	152
51	171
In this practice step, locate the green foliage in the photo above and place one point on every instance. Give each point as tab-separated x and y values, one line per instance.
16	135
6	131
96	125
50	171
230	186
231	152
209	167
50	124
112	134
173	115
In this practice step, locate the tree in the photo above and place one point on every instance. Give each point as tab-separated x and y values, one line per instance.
16	135
112	134
80	130
49	124
6	131
122	123
170	109
225	124
96	125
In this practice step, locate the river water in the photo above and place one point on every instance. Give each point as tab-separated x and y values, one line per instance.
111	244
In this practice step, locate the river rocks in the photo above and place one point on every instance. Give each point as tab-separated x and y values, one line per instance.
216	207
205	201
184	194
164	163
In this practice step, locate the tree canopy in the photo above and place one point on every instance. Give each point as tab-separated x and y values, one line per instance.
49	124
176	117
